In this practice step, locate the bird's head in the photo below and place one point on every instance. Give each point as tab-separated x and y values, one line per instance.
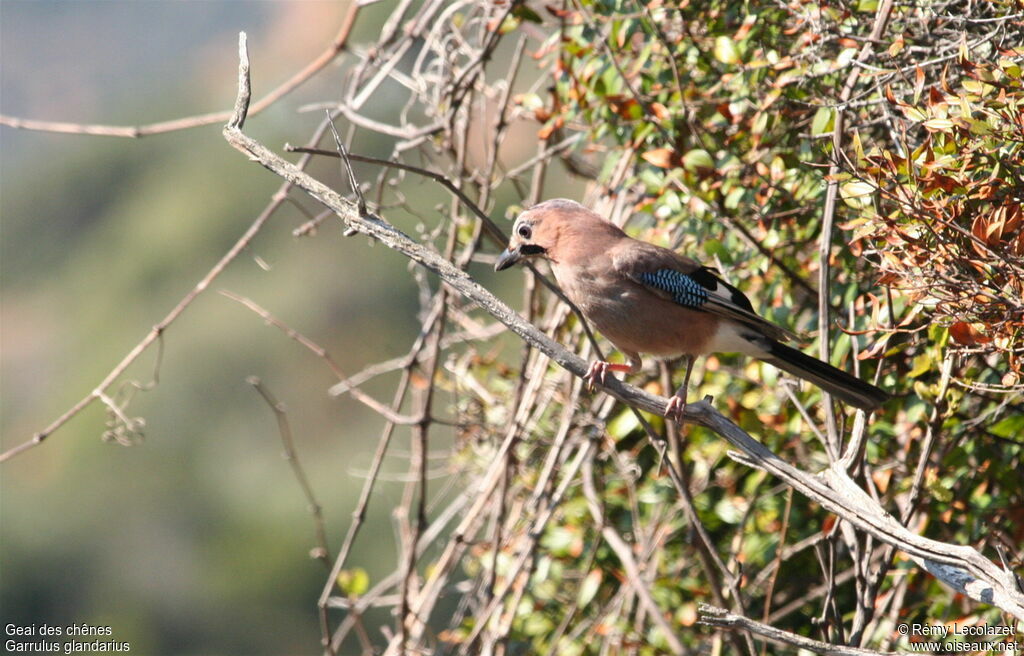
539	230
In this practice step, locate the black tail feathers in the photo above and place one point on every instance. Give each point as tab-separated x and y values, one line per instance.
836	382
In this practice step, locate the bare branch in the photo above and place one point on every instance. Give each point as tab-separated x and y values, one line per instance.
718	617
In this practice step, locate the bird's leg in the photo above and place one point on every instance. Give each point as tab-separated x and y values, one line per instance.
676	407
599	370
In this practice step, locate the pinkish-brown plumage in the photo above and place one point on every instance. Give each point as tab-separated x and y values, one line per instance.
649	299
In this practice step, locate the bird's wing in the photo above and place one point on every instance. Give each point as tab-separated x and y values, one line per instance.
679	279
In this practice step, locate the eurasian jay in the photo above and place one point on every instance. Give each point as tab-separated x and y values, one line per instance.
649	299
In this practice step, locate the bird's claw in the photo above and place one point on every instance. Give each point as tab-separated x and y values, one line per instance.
596	374
676	408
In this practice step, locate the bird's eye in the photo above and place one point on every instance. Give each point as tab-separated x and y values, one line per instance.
524	231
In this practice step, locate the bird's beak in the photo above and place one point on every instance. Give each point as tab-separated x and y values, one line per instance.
508	257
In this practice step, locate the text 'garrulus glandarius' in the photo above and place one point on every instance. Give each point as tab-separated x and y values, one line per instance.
649	299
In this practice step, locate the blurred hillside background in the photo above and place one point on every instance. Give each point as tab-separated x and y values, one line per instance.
197	539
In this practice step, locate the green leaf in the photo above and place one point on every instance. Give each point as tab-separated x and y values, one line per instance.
1011	427
858	147
729	511
734	198
537	624
559	541
525	13
623	424
980	128
857	194
698	159
588	589
939	489
760	124
913	113
824	120
922	363
939	124
714	247
725	50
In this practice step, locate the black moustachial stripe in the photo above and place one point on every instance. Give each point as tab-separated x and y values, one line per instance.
532	249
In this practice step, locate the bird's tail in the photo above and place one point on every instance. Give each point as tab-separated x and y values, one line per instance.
834	381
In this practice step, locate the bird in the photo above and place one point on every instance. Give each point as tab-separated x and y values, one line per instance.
646	299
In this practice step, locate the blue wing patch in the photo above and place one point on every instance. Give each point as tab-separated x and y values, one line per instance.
684	290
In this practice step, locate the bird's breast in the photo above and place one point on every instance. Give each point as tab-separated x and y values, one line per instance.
634	319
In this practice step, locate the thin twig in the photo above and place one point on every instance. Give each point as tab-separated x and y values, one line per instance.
321	552
319	351
828	218
720	618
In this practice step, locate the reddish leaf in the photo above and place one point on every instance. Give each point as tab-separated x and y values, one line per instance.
968	334
980	227
748	23
881	478
663	158
545	132
944	81
890	96
559	13
830	521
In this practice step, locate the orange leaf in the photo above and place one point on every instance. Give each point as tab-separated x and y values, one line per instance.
744	30
890	96
1014	217
994	232
659	110
545	132
874	351
1018	244
945	83
979	333
967	334
623	106
660	157
688	614
881	478
830	521
888	278
895	47
979	227
559	13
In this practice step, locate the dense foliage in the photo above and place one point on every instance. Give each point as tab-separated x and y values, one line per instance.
713	126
